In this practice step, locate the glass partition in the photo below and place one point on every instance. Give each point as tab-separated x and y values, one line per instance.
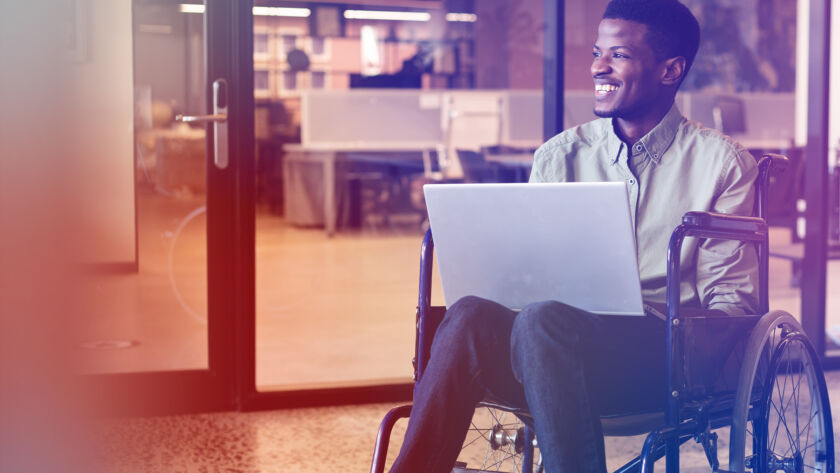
363	108
746	82
356	109
833	285
149	299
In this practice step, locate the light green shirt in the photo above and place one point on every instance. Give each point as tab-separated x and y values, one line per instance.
679	166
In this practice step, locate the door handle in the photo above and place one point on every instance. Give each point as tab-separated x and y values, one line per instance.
216	117
219	120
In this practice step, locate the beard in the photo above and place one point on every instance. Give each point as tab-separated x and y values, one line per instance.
605	113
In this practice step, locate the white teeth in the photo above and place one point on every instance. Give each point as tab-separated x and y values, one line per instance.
605	88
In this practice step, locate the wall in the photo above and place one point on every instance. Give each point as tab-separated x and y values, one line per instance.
834	101
165	61
159	46
582	19
802	79
100	91
509	43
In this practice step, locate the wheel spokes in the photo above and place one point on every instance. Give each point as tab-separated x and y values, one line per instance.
798	411
493	442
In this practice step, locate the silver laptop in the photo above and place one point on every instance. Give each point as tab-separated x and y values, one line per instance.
523	243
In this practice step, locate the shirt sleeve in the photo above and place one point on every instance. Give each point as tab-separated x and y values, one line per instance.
727	271
537	173
546	166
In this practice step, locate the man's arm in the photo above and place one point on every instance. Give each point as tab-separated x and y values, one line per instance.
544	168
727	271
537	174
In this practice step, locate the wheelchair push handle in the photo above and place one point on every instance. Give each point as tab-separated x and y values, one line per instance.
767	165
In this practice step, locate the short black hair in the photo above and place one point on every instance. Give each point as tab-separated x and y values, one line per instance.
672	28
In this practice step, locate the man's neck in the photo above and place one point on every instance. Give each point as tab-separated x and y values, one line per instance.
631	130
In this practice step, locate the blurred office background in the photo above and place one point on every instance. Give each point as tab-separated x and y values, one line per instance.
355	106
270	260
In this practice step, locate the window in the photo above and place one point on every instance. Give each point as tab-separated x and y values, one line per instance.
289	80
319	80
260	43
262	83
288	42
318	46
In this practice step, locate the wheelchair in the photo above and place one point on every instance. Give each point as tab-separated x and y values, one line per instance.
771	391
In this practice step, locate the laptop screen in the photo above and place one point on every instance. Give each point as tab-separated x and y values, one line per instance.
521	243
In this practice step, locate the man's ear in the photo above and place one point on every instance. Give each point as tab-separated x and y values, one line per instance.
674	70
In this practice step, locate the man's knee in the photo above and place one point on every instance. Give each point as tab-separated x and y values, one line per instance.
473	312
549	320
474	328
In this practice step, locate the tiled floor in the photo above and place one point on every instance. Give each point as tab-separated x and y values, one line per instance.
328	440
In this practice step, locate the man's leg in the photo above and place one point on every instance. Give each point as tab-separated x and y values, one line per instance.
470	356
574	367
547	356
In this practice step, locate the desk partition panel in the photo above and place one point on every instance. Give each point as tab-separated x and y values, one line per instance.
424	119
373	118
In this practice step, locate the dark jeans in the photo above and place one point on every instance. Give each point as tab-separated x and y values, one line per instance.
565	365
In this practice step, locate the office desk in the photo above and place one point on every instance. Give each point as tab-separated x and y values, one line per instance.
780	145
322	208
795	253
519	162
181	161
520	159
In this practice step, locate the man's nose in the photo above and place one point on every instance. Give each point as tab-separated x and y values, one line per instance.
599	66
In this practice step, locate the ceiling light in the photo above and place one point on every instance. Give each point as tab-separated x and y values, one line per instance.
282	11
191	8
464	17
387	15
258	11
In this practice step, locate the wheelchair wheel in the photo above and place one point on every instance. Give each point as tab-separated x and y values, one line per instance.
793	424
781	419
496	441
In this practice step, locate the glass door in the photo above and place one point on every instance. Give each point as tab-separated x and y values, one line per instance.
358	107
157	336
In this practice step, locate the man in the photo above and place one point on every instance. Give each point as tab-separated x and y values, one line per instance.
566	366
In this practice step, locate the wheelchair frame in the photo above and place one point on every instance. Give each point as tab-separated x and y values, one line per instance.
684	418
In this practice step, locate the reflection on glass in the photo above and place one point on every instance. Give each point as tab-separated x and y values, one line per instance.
261	43
318	46
290	80
455	97
319	79
289	42
153	317
261	80
399	103
833	303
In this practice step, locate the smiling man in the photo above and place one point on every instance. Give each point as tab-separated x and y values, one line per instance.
567	366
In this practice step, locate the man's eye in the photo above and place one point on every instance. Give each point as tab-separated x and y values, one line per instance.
596	54
619	56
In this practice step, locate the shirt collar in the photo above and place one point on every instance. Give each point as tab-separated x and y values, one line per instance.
653	144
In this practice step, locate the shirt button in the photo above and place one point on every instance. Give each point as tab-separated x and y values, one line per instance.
638	147
632	181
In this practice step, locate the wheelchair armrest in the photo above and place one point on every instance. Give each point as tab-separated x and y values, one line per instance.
718	226
717	222
703	225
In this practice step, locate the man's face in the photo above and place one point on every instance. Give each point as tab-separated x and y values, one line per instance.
625	70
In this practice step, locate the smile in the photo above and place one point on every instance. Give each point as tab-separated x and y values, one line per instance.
604	89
